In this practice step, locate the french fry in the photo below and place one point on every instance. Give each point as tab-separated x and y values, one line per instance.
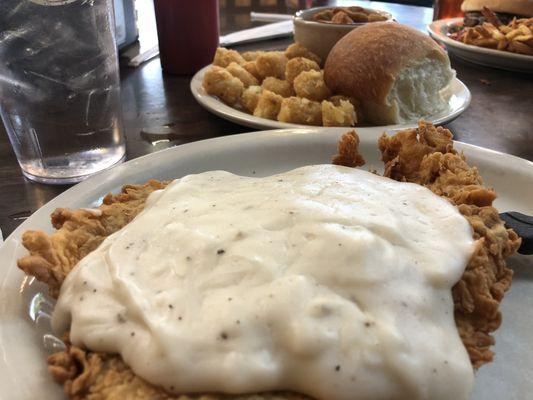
502	44
523	38
513	34
482	31
495	33
516	36
521	48
482	42
525	30
505	29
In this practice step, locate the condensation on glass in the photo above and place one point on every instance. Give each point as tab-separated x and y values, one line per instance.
60	87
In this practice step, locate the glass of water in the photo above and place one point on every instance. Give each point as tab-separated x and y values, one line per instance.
60	87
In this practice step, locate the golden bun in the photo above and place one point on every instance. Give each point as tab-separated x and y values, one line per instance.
517	7
366	64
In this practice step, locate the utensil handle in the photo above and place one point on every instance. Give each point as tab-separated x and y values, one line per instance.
523	225
269	17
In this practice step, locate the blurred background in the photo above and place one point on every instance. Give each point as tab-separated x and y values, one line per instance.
135	19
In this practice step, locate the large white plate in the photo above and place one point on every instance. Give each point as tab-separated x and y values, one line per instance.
439	29
22	358
457	104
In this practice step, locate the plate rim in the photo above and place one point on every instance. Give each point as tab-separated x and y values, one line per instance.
434	30
242	118
108	177
364	133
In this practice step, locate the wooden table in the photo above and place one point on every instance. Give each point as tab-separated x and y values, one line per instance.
500	116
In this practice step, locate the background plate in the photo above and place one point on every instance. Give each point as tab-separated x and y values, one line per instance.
457	104
23	370
438	30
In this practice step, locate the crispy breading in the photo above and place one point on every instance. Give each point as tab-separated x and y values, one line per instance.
271	63
100	376
298	50
341	115
224	57
348	151
252	55
425	156
310	85
221	83
295	66
268	105
78	233
250	98
278	86
299	110
242	74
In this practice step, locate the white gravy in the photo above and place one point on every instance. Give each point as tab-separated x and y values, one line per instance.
325	280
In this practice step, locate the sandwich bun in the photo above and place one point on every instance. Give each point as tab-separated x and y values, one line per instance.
522	8
395	73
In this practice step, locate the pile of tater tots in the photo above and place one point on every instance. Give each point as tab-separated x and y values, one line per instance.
287	86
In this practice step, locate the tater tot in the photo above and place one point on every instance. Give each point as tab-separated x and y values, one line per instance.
219	82
244	76
342	115
252	68
250	97
251	55
336	100
268	105
297	50
295	66
297	110
224	57
311	85
278	86
271	63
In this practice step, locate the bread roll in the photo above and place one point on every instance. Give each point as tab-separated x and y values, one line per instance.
395	72
517	7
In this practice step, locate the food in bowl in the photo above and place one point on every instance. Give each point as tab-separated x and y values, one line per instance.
286	86
320	35
348	15
395	73
245	286
489	31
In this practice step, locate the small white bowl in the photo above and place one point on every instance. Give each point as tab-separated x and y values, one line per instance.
320	37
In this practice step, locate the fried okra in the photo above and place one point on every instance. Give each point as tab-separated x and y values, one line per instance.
298	50
219	82
268	105
224	57
341	115
244	76
271	64
311	85
297	110
295	66
278	86
250	97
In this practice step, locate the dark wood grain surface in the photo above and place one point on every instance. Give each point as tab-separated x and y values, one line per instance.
500	116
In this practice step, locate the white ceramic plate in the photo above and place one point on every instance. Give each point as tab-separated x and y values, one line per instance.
23	371
439	29
457	104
